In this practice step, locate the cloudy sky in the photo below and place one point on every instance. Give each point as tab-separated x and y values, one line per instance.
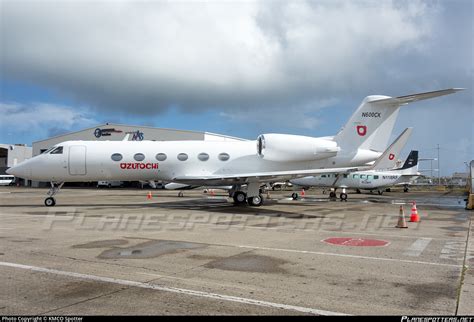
237	68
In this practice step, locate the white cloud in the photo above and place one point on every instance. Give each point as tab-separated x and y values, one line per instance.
42	118
144	56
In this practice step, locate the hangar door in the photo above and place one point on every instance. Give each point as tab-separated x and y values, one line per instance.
77	160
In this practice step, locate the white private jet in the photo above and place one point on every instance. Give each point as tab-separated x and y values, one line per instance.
244	165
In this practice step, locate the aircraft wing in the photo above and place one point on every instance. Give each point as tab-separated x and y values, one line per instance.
402	100
240	178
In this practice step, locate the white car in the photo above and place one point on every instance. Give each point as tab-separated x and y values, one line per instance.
109	184
6	179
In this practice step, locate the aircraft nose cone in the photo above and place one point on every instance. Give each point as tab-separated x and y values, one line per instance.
20	171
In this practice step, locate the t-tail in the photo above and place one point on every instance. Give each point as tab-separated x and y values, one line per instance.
388	159
371	125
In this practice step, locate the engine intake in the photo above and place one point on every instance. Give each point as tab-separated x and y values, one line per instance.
287	148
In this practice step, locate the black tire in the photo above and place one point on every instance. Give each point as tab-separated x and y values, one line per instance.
405	190
239	197
332	194
49	202
380	192
294	195
343	196
256	201
109	186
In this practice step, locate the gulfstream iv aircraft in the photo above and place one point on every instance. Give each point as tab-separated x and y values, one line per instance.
245	165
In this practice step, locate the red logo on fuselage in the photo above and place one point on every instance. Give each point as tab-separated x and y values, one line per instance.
138	166
391	156
361	130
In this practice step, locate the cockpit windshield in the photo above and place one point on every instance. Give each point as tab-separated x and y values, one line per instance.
49	150
57	150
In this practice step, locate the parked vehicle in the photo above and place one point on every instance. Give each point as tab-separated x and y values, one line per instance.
109	184
6	179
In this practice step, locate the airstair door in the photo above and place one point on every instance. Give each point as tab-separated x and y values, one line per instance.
77	160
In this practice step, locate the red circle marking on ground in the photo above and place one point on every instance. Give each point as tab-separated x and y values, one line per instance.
347	241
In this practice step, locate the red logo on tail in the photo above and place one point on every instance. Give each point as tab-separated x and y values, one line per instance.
391	156
361	130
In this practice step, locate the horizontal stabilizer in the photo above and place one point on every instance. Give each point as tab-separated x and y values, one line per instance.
402	100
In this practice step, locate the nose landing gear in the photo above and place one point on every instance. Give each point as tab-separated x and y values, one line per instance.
55	187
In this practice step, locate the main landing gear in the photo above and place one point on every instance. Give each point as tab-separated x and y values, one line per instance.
55	187
241	197
342	195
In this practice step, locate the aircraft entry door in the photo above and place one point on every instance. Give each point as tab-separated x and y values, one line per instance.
77	160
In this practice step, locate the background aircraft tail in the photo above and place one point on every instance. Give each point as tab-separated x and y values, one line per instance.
411	161
389	158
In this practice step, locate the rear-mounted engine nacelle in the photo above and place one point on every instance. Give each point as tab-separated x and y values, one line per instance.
286	148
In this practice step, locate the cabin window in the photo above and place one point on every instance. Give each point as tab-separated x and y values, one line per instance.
224	156
58	150
203	156
323	176
369	177
362	176
376	177
355	176
139	157
116	157
345	176
182	157
161	157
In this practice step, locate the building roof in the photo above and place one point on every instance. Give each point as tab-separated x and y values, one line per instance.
139	126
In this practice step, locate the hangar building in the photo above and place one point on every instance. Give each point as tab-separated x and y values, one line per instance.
12	154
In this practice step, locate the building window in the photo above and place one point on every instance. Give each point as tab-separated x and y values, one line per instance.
139	157
182	157
203	156
224	157
161	157
58	150
116	157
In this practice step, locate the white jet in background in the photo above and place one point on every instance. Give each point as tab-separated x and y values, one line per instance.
364	180
245	165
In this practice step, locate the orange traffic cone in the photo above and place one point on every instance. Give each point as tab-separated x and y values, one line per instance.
414	217
302	192
149	196
401	219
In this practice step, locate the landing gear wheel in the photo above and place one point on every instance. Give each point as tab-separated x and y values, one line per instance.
180	194
380	192
358	191
294	195
240	197
343	196
332	194
256	201
405	190
49	202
